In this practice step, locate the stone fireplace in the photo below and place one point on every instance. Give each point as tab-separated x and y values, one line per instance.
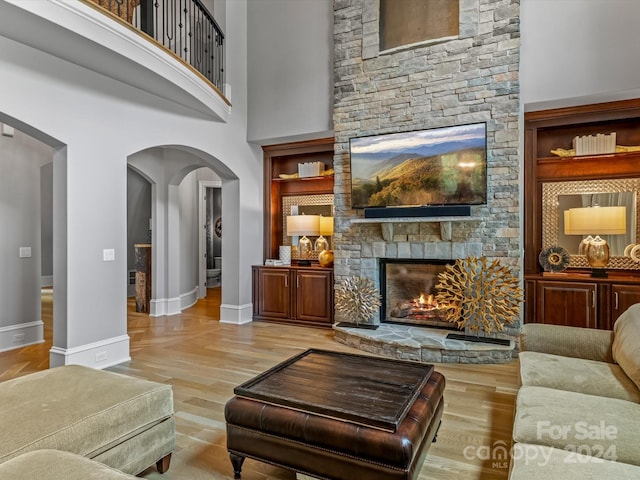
408	291
468	78
456	81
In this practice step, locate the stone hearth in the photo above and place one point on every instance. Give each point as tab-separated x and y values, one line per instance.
406	342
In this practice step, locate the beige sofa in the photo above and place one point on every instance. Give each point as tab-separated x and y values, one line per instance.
58	465
120	421
578	410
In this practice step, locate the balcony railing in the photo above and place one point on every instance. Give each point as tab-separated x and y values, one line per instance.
184	27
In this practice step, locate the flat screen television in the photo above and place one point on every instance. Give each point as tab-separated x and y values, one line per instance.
438	166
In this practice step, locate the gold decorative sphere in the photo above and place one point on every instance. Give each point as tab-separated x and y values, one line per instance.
325	258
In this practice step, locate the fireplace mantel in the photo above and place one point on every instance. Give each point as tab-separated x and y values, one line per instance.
386	224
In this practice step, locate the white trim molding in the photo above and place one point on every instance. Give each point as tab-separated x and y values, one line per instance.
21	335
236	314
164	306
102	354
173	306
189	299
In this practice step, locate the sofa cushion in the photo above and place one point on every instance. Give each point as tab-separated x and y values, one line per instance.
577	375
626	342
602	427
587	343
57	465
78	409
539	462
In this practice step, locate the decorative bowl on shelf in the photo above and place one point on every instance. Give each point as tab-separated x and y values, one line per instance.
325	258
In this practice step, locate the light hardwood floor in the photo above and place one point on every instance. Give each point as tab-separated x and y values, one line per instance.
203	360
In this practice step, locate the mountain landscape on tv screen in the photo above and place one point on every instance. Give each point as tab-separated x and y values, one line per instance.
432	167
418	181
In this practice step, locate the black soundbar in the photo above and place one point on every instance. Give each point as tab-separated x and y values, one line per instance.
424	211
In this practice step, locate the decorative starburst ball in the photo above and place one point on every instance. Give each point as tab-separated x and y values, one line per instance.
478	295
358	299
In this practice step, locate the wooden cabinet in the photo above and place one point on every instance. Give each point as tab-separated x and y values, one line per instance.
566	303
284	159
573	297
275	298
547	130
623	296
314	296
302	295
578	300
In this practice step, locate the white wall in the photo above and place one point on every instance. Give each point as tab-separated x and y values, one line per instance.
188	192
46	216
96	124
290	70
190	232
21	158
578	52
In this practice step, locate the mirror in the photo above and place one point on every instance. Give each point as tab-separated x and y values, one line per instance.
307	205
557	197
617	243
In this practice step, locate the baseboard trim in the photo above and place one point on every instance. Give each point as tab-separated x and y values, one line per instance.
189	299
236	314
102	354
164	306
20	335
46	281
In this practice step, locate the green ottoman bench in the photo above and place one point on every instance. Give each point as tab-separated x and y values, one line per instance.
123	422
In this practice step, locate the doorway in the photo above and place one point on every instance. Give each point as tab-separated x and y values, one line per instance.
213	235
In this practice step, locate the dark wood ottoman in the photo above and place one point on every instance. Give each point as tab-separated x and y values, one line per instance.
337	416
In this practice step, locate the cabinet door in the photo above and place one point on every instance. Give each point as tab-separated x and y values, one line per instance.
623	297
566	303
274	293
314	296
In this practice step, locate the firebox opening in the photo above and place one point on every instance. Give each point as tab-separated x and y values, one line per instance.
408	288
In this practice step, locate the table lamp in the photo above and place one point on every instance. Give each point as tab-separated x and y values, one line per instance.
596	221
326	228
301	226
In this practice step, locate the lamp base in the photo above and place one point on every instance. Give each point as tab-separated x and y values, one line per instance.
599	273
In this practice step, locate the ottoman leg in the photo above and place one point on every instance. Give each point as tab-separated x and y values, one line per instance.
236	461
163	464
435	437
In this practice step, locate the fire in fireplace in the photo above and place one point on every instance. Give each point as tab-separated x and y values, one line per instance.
408	292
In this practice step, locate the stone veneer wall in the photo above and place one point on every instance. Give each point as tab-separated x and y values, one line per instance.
469	79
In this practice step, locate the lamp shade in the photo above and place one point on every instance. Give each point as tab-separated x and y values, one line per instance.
595	221
326	226
298	225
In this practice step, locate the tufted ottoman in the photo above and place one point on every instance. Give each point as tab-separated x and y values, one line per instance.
337	416
124	422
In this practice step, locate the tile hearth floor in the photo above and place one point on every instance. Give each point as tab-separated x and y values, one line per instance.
408	342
